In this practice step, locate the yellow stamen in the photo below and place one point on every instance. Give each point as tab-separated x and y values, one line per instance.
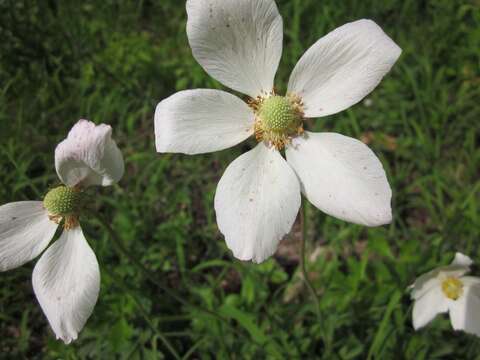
452	287
71	222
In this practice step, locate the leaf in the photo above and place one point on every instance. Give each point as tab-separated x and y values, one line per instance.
383	330
245	320
248	289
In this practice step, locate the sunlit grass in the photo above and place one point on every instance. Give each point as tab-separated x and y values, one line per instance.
111	62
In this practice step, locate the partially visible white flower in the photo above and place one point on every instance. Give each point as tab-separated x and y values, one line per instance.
447	289
66	279
89	156
239	43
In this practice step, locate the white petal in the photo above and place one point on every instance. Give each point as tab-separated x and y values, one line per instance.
465	312
66	281
89	156
425	283
459	267
200	121
239	43
342	177
25	231
256	203
426	307
462	260
470	281
343	67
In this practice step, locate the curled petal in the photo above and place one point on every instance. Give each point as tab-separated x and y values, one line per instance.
239	43
462	260
25	231
66	281
89	156
256	203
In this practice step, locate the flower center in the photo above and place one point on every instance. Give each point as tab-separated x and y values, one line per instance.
63	202
278	119
452	287
277	114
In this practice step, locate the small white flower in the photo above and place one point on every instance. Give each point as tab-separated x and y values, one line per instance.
66	279
446	289
239	43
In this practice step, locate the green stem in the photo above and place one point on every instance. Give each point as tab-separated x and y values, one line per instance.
144	313
193	348
302	259
152	278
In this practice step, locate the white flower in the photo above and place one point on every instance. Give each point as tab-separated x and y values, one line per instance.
66	279
239	43
446	289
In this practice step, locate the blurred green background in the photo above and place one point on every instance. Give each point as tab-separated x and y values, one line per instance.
112	61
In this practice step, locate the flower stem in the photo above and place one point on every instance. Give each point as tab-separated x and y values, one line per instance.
150	276
304	222
153	278
144	313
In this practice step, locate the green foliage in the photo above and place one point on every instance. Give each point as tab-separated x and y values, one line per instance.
111	61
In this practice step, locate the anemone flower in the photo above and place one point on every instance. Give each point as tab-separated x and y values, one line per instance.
66	279
447	289
239	43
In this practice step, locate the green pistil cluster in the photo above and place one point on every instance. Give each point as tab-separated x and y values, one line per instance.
278	119
277	114
63	202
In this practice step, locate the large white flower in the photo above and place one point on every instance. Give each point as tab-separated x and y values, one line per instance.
239	43
66	279
446	289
